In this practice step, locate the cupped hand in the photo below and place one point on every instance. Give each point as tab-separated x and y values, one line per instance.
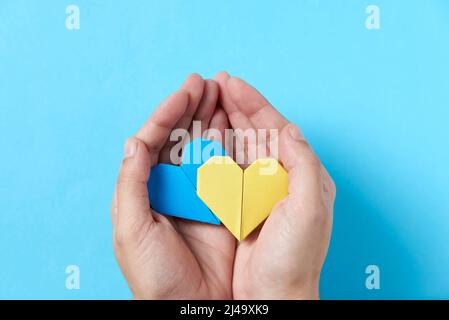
170	258
283	259
162	257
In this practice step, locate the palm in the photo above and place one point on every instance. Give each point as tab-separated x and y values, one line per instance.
188	258
260	259
212	248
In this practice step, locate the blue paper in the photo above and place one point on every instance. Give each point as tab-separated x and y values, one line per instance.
196	153
172	189
172	193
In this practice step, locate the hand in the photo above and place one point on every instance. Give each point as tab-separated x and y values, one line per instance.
282	260
161	257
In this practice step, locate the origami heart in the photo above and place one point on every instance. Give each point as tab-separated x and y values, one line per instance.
241	199
172	189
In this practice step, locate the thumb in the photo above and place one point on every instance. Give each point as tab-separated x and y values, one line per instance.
304	169
133	206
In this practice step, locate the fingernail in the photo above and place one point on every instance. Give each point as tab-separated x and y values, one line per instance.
294	132
130	148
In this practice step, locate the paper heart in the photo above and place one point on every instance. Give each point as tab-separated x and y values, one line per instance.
241	199
172	189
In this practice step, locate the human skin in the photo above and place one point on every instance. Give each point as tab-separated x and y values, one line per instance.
283	259
168	258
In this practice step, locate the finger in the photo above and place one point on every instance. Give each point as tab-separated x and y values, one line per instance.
205	109
330	190
194	86
303	166
114	209
219	122
249	102
156	130
245	145
133	205
217	129
301	163
236	117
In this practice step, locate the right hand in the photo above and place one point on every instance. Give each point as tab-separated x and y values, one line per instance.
283	259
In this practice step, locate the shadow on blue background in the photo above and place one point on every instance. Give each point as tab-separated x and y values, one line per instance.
373	103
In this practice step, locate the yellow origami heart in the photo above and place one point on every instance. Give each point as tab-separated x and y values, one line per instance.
241	199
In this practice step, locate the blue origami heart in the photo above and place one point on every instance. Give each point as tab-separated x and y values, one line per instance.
172	189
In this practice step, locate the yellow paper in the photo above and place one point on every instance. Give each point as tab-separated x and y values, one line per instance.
265	183
241	199
219	185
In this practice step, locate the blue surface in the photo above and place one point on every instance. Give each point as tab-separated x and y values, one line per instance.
373	103
172	189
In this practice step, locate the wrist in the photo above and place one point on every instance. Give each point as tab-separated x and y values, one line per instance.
307	292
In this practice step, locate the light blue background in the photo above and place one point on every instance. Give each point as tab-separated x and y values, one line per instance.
373	103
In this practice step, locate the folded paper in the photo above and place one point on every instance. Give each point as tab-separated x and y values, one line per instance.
172	189
241	199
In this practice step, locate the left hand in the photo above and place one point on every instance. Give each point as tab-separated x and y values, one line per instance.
163	257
